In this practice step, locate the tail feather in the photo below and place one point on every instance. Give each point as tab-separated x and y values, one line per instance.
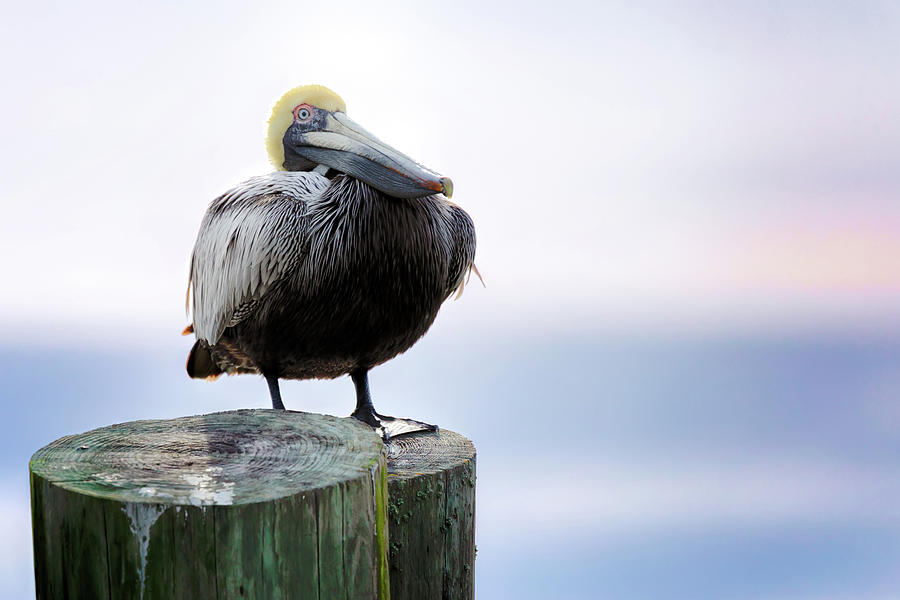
200	363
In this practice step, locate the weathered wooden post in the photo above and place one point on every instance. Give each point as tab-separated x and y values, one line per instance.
253	504
248	504
431	511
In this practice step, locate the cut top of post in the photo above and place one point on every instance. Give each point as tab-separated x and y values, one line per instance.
415	455
236	457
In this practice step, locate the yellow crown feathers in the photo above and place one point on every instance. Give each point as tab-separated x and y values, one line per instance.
283	115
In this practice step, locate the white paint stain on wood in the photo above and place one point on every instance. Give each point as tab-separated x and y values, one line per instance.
142	517
208	489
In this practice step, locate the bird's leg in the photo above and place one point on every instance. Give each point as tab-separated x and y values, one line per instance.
365	410
387	427
277	404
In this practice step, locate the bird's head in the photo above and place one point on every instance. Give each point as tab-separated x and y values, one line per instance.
309	127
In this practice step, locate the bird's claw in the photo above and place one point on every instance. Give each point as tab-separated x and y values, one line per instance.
391	427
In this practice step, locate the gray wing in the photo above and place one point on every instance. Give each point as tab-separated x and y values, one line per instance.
247	243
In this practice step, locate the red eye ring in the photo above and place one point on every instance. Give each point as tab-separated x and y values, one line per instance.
303	112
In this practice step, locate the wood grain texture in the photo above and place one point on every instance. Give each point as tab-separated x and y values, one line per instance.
244	504
431	512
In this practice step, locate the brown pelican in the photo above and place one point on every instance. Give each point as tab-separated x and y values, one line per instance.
333	264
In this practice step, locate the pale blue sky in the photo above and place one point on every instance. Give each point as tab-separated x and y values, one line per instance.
626	163
644	169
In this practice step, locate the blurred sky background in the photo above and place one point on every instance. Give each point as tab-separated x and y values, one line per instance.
682	378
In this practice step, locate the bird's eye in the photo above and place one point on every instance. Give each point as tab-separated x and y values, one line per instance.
303	113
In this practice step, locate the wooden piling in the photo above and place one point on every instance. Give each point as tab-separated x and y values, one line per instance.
247	504
431	514
254	504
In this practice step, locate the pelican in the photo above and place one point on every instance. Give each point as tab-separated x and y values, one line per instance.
333	264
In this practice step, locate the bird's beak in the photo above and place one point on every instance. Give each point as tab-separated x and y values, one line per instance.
346	147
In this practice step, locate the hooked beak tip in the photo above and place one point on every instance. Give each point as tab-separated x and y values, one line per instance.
447	186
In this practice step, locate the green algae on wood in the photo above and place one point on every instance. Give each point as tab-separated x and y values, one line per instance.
431	516
241	504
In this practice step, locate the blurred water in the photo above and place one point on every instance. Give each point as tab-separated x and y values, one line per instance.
608	467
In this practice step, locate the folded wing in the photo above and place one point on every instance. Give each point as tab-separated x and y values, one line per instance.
251	238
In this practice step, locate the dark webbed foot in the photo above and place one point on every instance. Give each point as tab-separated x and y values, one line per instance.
391	427
387	427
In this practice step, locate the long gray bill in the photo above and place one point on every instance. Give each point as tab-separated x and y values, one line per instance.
346	147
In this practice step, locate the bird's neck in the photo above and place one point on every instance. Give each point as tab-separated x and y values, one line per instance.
295	162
